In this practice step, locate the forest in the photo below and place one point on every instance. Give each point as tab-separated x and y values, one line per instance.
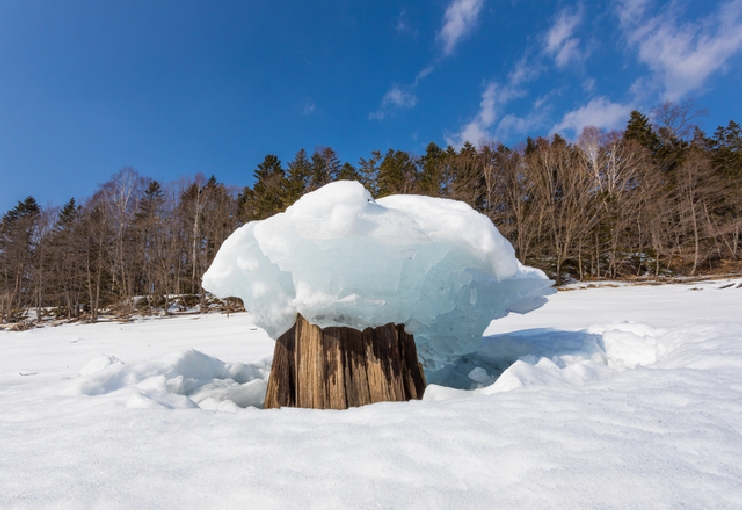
661	199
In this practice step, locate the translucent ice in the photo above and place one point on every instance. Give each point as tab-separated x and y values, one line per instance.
342	259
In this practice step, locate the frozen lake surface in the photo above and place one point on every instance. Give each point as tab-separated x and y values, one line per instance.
610	397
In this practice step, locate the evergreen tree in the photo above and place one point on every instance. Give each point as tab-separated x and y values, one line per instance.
640	129
397	173
65	259
369	173
269	190
726	152
431	176
325	168
299	177
16	256
348	173
147	231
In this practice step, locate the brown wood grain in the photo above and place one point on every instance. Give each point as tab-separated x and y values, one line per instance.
340	367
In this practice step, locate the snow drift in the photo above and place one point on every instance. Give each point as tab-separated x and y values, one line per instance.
178	380
340	258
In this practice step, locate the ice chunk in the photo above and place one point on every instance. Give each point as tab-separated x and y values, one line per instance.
342	259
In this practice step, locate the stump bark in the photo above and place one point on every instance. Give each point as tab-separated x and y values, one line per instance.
340	367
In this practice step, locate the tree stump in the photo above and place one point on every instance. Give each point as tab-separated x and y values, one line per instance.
340	367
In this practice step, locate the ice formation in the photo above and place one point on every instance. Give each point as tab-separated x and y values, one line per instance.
342	259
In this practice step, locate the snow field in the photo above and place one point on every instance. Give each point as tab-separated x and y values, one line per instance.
621	397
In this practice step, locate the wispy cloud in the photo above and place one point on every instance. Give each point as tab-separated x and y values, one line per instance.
629	11
480	128
460	18
399	97
599	112
309	109
525	70
511	124
476	131
403	25
682	56
396	98
560	43
423	73
491	122
458	21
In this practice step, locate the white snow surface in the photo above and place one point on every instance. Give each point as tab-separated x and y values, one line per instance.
625	397
340	258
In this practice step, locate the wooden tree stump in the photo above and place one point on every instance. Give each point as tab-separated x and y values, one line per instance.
340	367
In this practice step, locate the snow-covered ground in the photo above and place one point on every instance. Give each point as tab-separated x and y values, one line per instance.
627	397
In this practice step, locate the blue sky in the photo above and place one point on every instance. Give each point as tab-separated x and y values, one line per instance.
173	88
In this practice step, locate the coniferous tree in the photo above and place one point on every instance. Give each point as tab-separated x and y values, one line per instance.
432	171
148	225
397	174
16	256
268	194
726	153
66	256
640	129
369	173
299	178
348	173
325	168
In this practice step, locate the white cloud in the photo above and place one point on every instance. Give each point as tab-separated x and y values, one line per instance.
630	10
511	124
541	100
524	71
423	73
599	112
643	90
494	98
560	43
537	117
460	18
399	98
395	98
487	106
682	56
309	109
403	25
476	131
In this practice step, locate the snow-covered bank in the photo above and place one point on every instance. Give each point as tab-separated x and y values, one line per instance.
623	397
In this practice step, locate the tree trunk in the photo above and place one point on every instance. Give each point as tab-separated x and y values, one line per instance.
340	367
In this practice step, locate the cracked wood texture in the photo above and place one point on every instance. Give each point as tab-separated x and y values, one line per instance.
337	368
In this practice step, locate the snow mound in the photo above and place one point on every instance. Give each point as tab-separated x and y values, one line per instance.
340	258
630	344
100	363
543	357
177	381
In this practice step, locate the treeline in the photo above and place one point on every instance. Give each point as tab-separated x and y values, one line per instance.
659	199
